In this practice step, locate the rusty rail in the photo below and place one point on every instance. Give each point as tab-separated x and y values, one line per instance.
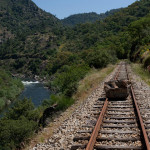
146	140
97	127
94	135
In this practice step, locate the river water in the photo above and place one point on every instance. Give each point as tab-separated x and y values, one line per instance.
33	90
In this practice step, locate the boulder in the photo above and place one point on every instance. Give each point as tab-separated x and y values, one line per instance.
117	89
47	114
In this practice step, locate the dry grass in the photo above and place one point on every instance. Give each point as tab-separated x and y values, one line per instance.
91	81
144	74
86	86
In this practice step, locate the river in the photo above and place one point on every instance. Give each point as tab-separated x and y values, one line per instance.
36	91
33	90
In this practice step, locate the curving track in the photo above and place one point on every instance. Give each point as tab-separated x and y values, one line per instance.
115	124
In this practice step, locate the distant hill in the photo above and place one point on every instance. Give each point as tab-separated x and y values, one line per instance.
37	43
27	33
87	17
111	33
24	17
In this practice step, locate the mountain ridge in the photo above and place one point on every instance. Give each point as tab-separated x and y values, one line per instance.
40	47
24	17
46	44
90	17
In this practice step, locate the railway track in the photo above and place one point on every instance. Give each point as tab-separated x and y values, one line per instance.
115	124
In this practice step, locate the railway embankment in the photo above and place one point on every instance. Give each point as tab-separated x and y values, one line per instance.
64	126
62	137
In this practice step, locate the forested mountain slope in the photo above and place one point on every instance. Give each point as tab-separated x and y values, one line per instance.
26	32
23	16
86	17
47	46
33	42
112	33
140	34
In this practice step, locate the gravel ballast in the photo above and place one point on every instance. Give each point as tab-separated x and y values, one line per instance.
62	138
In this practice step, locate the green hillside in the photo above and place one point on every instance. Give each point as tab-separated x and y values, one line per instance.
27	33
112	33
37	49
87	17
41	50
23	16
33	42
9	88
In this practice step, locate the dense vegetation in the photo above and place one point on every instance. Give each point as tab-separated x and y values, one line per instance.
19	123
139	31
86	17
9	88
59	53
41	52
34	42
24	17
26	31
67	78
112	33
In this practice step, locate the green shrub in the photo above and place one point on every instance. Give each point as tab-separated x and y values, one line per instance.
66	81
62	102
99	58
13	132
18	125
3	92
10	88
24	108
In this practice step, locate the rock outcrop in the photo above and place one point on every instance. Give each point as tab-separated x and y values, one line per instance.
117	89
47	114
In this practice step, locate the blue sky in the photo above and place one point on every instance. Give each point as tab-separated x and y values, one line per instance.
64	8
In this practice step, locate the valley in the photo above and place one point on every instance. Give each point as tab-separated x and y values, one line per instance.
64	53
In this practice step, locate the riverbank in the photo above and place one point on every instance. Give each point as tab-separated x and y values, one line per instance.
86	86
30	76
10	89
35	91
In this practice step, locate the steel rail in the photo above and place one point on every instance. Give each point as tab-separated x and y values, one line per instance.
94	135
146	140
